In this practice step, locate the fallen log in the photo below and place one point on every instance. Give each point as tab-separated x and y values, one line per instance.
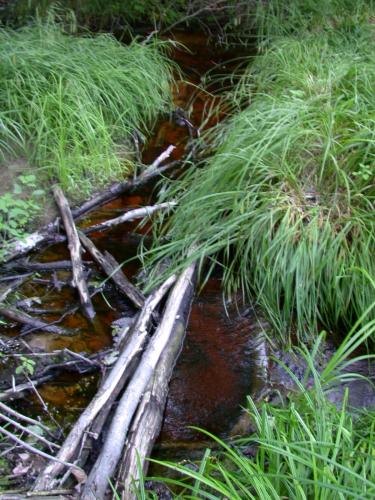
137	213
113	269
104	467
35	323
75	252
49	233
137	336
149	417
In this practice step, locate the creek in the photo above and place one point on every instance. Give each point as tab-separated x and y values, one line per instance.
216	369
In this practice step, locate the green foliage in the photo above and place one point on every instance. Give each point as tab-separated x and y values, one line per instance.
26	366
276	18
306	448
17	208
286	202
69	103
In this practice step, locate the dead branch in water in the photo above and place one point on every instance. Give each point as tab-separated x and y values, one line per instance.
113	270
75	251
49	233
137	213
104	467
37	324
137	337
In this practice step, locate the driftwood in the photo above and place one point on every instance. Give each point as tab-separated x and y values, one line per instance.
137	337
137	213
49	233
148	419
75	251
35	323
113	270
104	467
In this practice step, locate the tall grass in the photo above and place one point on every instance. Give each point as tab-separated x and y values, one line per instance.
278	18
69	103
307	448
286	202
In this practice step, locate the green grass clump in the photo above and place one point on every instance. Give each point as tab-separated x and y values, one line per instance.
69	103
305	448
275	18
286	202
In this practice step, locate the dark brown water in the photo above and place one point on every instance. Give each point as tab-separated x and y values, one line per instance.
213	375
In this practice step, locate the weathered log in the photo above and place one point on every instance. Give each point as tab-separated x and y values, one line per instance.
26	319
148	420
104	467
113	269
49	233
137	213
138	336
75	251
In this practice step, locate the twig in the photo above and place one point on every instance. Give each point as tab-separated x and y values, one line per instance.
75	251
26	319
137	213
113	270
34	450
28	431
20	416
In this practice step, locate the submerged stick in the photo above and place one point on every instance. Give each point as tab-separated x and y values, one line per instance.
103	469
137	213
75	251
113	269
68	450
26	319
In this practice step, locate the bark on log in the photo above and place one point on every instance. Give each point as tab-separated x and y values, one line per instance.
104	468
113	269
46	479
75	252
138	213
49	233
149	417
36	323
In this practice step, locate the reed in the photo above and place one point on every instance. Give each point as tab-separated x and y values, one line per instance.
286	201
70	103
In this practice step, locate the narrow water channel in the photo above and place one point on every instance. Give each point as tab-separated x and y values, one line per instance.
214	372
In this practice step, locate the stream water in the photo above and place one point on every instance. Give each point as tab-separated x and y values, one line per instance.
216	368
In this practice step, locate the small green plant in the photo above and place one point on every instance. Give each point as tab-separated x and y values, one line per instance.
26	366
18	207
